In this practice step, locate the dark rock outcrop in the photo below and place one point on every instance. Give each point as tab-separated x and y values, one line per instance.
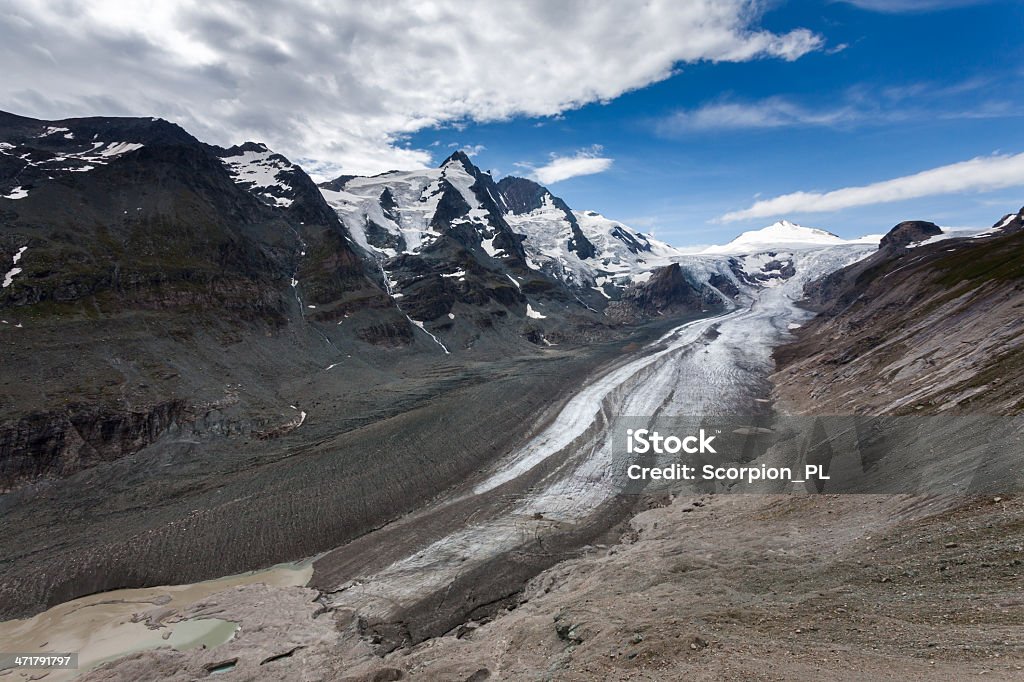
668	291
1011	222
909	232
337	184
724	284
667	288
634	245
841	287
54	444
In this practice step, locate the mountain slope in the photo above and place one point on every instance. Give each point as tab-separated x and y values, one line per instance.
141	264
931	328
462	255
434	232
193	335
446	254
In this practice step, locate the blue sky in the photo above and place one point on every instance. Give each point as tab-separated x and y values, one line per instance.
891	94
703	117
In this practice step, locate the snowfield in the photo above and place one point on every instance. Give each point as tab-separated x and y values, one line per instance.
261	172
9	277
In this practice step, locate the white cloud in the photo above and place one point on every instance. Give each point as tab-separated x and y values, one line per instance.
861	104
469	149
980	174
346	83
896	6
773	112
583	162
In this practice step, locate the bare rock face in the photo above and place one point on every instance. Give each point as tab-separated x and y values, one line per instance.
667	288
841	287
60	443
1011	223
724	284
667	291
524	195
390	333
908	232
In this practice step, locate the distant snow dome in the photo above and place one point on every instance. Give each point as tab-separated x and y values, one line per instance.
785	234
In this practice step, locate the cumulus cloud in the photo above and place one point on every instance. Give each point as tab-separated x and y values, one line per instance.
980	174
583	162
346	83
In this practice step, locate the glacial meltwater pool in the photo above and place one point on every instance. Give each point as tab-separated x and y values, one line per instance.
100	627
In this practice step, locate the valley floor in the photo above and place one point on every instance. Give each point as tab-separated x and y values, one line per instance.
765	588
752	587
698	586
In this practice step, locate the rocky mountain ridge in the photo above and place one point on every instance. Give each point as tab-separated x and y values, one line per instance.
398	213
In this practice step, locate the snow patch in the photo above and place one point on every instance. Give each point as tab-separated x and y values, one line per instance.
119	148
530	312
931	240
9	277
488	247
258	172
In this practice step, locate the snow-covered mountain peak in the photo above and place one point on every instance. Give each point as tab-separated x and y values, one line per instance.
408	213
461	160
781	234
